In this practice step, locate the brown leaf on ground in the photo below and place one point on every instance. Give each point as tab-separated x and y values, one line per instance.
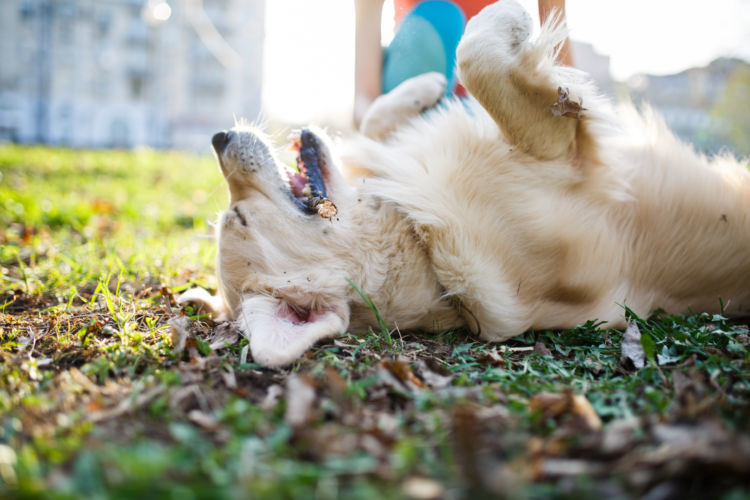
656	460
433	378
337	388
401	370
336	383
179	332
300	400
478	444
203	419
593	366
467	442
574	408
229	378
168	295
540	348
683	454
327	440
631	354
272	397
619	437
226	334
493	357
183	399
694	397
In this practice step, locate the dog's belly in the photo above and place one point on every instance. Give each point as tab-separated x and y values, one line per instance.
526	243
570	266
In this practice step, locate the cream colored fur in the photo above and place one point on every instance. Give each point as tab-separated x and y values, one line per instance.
495	214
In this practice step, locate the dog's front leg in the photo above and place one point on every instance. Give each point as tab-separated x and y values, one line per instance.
406	101
537	104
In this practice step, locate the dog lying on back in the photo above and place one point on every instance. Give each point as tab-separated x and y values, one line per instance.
533	207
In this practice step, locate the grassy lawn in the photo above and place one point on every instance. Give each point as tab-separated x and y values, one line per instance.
108	390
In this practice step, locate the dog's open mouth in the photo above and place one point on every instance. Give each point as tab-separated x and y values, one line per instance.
306	184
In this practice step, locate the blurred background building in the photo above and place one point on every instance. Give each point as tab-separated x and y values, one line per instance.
708	106
124	73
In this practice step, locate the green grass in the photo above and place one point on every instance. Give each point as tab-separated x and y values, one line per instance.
96	401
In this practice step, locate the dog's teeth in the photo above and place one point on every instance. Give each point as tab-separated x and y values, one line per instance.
295	137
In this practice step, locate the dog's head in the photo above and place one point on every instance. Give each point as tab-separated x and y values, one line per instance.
283	242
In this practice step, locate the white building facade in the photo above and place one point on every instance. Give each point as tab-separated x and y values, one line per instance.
103	73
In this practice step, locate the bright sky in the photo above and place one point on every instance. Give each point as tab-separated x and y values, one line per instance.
309	52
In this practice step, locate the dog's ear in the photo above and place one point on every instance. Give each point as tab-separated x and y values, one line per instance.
205	303
278	340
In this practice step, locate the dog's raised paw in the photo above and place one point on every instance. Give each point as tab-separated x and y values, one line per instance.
505	23
421	92
407	100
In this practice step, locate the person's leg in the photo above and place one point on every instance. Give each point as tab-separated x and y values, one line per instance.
425	41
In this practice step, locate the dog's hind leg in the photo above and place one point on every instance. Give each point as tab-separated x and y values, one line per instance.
406	101
537	104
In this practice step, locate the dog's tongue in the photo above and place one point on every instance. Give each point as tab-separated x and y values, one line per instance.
297	183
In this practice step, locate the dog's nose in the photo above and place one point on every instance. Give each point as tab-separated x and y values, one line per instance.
220	141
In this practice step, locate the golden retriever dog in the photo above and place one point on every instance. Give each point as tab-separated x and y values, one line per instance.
535	205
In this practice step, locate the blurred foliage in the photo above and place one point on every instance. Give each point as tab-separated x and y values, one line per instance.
86	190
733	111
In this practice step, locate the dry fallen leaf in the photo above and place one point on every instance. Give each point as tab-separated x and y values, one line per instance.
743	338
229	378
272	396
226	334
433	379
567	404
467	442
402	372
619	437
687	452
300	398
180	333
203	419
493	357
540	348
631	348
